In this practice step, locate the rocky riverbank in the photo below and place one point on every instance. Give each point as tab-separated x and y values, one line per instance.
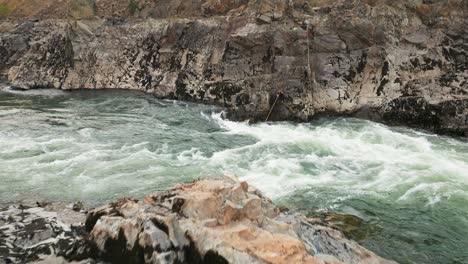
207	221
399	62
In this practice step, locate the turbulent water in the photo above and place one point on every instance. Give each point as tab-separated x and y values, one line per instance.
409	188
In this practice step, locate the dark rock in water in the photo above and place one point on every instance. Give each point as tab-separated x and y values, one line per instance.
42	203
77	207
207	221
346	223
396	61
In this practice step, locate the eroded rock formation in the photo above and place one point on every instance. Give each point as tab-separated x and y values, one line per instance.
37	234
402	62
207	221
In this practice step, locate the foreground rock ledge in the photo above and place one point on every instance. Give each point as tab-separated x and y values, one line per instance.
207	221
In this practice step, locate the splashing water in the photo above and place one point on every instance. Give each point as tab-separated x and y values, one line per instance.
410	188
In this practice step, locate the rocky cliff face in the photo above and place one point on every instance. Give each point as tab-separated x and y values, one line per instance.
401	62
207	221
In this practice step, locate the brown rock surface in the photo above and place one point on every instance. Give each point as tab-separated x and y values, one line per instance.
220	220
207	221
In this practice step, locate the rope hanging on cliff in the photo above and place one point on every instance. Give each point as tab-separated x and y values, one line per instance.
273	106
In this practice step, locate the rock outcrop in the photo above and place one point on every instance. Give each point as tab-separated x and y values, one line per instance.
40	234
207	221
401	62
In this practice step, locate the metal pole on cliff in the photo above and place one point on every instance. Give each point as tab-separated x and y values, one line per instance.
273	106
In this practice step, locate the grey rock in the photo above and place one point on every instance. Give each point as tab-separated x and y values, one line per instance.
249	229
327	242
33	234
207	221
389	61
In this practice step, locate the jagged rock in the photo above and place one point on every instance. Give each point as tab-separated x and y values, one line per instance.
264	18
34	234
400	62
207	221
220	219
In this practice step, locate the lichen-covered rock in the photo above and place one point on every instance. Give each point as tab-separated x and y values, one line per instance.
42	235
400	62
215	221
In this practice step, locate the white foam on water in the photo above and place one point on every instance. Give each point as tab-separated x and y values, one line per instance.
37	92
94	151
95	148
9	112
372	159
190	156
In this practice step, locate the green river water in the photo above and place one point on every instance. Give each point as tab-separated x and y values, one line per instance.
409	188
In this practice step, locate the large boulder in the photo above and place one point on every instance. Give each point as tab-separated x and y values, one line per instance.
207	221
222	220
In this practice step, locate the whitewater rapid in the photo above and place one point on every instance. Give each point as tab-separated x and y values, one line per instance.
350	155
96	146
354	156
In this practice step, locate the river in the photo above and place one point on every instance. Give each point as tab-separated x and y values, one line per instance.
408	189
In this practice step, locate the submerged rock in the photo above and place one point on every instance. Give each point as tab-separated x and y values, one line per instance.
207	221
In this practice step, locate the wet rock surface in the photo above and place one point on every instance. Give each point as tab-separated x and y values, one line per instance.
207	221
399	62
